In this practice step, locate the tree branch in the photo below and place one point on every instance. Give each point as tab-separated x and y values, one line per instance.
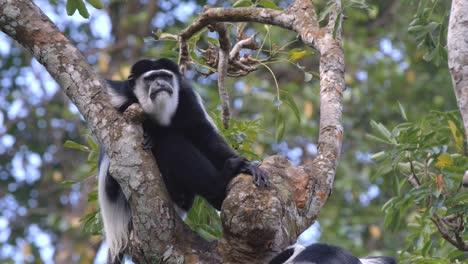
223	58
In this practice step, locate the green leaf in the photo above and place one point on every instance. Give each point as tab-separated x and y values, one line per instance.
427	246
93	196
372	137
71	7
92	223
326	11
91	142
359	4
82	9
280	128
289	100
212	40
93	156
379	156
243	3
458	198
268	4
392	219
95	3
206	235
383	131
396	185
390	204
67	184
338	21
402	111
73	145
463	208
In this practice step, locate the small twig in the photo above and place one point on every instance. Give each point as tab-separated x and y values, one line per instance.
413	179
457	241
240	31
223	59
248	42
183	56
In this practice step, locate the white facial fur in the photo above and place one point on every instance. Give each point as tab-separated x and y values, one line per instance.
164	106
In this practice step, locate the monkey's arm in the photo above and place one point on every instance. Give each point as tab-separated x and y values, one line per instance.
223	157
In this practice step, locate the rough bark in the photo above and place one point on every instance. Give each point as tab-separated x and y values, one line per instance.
457	44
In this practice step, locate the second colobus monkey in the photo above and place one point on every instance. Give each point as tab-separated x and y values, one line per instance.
324	254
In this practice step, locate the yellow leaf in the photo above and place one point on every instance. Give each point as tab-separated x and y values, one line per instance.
26	249
457	138
122	73
308	109
443	161
103	63
57	176
375	231
298	55
410	76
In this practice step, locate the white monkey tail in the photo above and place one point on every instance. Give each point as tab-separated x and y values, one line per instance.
115	214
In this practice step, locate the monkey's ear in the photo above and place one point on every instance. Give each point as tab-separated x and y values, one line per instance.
131	80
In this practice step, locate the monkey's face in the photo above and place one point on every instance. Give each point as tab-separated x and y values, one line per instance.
157	92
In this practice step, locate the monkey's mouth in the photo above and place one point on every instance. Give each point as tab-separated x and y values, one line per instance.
153	94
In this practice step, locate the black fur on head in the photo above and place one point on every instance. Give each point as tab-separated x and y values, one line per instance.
146	65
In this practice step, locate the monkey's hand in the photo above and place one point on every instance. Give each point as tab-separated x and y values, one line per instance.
260	177
242	165
134	114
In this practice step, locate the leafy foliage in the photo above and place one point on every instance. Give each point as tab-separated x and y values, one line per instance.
91	222
429	28
425	164
73	5
241	134
204	220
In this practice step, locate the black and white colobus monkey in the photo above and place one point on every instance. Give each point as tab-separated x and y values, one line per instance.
324	254
191	155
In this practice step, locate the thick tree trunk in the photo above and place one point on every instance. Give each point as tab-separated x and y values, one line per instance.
457	44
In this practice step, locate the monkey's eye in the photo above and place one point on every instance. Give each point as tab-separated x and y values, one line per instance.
164	75
151	77
158	75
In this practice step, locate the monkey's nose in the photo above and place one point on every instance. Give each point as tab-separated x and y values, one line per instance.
153	95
